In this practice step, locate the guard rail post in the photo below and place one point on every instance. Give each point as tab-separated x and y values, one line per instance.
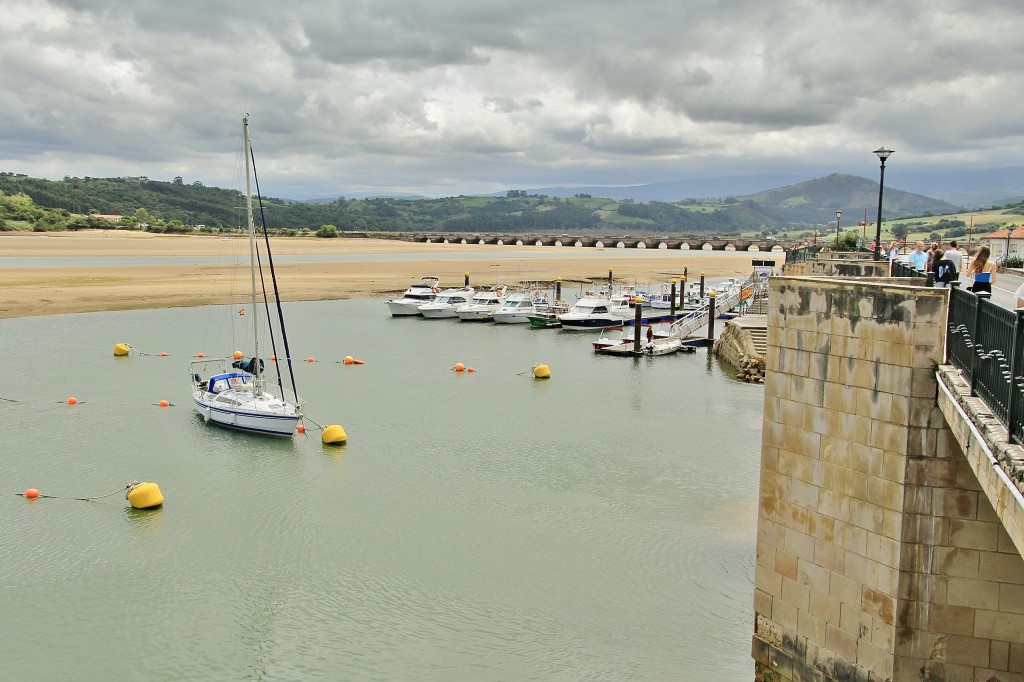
1015	383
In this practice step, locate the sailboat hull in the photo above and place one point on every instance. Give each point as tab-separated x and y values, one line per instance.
255	414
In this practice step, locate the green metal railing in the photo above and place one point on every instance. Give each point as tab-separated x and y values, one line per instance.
801	254
986	343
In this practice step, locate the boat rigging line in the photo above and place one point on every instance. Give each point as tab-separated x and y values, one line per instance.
273	280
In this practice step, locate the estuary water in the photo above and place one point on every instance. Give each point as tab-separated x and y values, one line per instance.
599	525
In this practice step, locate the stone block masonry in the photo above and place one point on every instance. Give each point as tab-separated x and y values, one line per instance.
879	557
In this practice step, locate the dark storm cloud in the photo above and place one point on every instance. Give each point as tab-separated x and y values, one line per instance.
425	96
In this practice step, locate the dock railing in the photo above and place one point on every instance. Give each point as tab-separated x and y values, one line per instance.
984	341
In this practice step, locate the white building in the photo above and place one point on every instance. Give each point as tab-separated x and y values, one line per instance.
1005	242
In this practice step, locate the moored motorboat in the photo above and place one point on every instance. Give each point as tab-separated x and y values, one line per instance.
446	302
520	306
418	294
548	319
594	311
482	306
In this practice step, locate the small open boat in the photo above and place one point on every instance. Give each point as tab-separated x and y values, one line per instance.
622	341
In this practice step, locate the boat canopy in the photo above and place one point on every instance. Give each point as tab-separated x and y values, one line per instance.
222	382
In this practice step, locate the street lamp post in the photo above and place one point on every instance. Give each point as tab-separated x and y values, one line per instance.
882	153
838	216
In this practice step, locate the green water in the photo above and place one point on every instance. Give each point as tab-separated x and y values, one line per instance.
485	526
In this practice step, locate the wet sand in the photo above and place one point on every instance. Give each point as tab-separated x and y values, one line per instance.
211	269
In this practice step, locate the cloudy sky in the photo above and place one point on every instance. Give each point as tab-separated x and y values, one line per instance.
463	96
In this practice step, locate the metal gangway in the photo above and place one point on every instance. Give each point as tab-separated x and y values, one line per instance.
691	322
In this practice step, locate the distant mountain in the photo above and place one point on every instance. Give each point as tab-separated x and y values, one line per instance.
360	195
817	201
970	189
801	206
677	190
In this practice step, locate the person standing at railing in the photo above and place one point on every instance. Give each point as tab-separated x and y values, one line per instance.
918	259
1019	295
894	251
954	256
983	271
934	254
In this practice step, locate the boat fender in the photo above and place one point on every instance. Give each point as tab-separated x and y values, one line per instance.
122	349
333	434
144	495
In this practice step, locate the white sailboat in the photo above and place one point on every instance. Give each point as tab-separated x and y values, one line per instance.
232	392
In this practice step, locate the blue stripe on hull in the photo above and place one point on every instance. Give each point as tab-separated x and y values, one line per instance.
249	429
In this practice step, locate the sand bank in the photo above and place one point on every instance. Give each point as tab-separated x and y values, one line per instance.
100	270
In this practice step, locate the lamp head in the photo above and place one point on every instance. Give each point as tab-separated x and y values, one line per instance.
883	153
839	214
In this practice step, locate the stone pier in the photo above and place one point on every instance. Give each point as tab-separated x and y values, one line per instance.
879	553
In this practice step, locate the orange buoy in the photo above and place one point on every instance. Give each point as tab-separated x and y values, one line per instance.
309	359
273	358
200	355
470	369
348	360
31	493
300	428
459	367
72	400
357	362
164	403
237	355
163	354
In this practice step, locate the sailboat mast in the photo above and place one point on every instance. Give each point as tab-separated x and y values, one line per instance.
252	247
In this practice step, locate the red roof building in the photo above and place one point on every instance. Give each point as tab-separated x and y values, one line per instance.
1008	241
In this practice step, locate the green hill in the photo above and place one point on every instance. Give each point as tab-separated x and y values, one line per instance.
816	201
175	206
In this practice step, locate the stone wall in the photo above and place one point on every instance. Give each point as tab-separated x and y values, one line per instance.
823	266
736	346
877	559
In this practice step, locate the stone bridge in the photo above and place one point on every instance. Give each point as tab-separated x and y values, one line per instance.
624	242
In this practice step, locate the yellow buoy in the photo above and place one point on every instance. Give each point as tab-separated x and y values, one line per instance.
541	372
334	435
122	349
144	495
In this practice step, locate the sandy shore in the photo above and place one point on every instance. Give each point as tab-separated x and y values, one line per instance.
101	270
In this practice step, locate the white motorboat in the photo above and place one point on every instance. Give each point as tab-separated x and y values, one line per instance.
594	311
520	306
418	294
663	300
236	397
482	306
446	302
